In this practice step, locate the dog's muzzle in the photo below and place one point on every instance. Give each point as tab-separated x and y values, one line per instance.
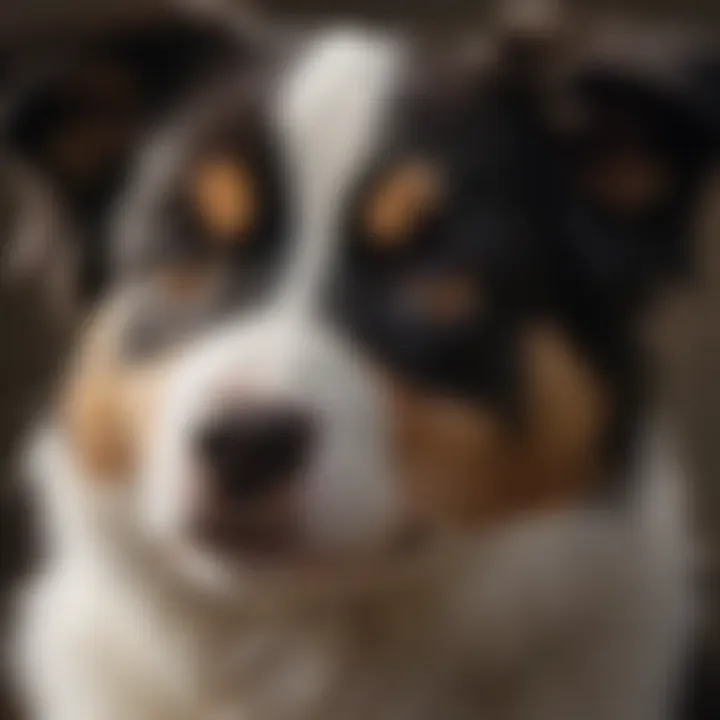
273	443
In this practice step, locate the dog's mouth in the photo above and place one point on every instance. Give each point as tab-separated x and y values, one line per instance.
254	542
263	531
273	535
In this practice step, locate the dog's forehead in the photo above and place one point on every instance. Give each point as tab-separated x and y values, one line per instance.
329	111
331	102
318	115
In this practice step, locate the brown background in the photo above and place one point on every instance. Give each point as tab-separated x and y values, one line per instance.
689	333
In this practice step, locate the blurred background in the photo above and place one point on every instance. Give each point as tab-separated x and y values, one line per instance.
687	330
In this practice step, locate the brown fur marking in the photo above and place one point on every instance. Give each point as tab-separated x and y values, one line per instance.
445	299
403	199
108	405
464	466
629	180
185	280
85	148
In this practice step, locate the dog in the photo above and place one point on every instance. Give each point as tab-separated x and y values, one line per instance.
357	424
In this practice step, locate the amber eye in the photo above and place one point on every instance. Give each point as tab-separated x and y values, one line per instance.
226	199
401	202
445	299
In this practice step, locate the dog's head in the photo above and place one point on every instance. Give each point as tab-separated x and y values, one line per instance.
352	289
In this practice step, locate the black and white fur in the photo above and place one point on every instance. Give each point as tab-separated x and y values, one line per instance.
584	612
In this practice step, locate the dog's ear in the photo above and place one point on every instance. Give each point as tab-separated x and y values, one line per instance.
642	139
78	98
632	112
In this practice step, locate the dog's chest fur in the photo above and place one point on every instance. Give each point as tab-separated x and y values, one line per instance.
579	615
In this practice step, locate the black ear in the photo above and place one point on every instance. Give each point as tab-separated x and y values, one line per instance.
80	96
642	143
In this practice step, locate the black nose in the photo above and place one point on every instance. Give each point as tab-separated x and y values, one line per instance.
256	450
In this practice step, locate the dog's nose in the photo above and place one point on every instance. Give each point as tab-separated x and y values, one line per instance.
255	451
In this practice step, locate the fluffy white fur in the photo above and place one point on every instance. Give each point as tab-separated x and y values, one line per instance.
579	615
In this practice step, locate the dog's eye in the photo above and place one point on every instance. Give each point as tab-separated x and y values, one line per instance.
445	299
401	202
225	198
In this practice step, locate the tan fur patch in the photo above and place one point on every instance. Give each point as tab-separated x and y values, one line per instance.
407	196
570	406
464	466
445	298
87	147
225	197
108	406
629	181
185	280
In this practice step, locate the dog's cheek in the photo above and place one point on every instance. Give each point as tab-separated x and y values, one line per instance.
108	406
569	415
462	465
448	457
109	419
94	426
570	409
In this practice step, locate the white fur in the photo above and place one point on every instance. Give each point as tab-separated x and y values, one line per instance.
327	112
579	615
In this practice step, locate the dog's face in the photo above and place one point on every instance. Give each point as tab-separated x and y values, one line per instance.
356	294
